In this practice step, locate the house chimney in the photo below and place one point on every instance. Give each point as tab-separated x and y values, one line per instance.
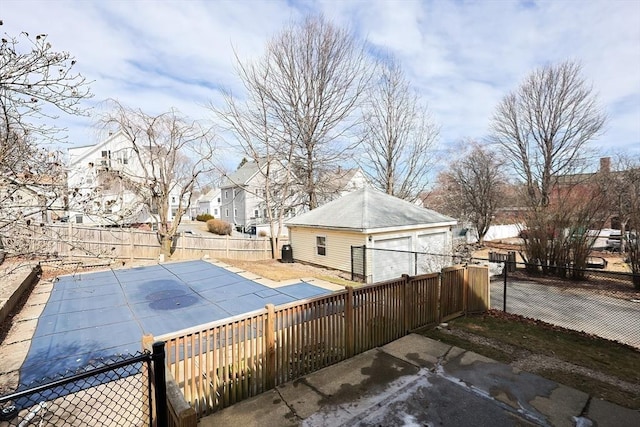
605	164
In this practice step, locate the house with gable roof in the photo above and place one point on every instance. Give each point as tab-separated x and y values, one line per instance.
392	228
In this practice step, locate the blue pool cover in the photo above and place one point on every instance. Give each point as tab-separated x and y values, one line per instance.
98	316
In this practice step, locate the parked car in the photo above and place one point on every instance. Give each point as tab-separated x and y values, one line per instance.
615	239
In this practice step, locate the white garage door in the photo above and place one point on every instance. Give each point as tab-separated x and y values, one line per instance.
434	245
389	264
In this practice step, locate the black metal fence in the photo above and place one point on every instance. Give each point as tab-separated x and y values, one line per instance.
377	264
602	303
124	391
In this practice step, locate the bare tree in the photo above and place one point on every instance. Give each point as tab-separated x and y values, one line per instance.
545	125
476	183
256	126
398	134
36	84
543	128
623	192
622	186
316	76
171	153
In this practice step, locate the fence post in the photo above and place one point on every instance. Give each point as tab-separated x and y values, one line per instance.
439	298
415	263
407	309
131	245
504	292
348	323
465	289
160	384
270	355
364	262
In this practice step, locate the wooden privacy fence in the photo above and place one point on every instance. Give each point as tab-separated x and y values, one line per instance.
71	240
221	363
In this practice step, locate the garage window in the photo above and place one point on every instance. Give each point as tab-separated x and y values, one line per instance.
321	248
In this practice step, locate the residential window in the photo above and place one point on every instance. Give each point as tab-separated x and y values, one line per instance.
226	194
235	212
215	211
218	199
78	219
256	213
173	200
226	213
321	245
234	192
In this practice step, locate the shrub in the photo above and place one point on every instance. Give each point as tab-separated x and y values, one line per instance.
219	227
204	217
262	233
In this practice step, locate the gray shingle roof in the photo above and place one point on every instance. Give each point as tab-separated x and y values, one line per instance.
242	176
369	209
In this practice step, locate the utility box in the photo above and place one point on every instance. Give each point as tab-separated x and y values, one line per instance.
287	254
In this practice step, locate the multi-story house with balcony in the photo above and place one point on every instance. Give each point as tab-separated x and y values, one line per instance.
98	179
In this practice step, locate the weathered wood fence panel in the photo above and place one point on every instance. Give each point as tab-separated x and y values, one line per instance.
223	362
76	241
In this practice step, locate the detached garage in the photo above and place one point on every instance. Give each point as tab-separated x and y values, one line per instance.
394	229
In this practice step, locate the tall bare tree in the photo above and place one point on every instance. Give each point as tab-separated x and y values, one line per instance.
543	128
476	183
399	135
316	76
254	124
37	83
545	125
172	152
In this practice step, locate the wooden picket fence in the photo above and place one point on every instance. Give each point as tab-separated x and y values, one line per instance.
224	362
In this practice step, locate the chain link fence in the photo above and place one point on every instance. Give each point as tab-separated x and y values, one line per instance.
113	393
595	301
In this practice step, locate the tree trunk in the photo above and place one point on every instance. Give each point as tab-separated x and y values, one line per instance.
165	246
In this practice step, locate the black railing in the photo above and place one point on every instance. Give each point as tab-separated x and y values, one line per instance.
115	392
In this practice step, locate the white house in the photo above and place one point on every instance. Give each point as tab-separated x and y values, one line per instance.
97	195
340	182
400	237
210	203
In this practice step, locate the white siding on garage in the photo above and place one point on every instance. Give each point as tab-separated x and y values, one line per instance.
438	253
338	246
390	264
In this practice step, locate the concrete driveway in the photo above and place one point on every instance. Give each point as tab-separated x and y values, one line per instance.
578	309
416	381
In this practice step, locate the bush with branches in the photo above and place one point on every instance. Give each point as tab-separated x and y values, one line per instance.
204	217
219	227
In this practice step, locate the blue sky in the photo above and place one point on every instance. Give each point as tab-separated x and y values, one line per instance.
461	56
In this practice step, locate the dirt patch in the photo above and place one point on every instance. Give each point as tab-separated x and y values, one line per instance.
276	270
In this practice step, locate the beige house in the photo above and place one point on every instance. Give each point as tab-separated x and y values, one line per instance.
400	237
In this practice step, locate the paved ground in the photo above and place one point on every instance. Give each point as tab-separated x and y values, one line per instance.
97	315
416	381
612	318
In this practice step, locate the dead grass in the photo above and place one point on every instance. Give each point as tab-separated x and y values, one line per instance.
601	368
278	271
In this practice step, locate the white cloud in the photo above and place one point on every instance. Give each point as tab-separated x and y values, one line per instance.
462	56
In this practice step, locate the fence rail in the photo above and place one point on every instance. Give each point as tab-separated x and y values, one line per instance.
221	363
76	241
